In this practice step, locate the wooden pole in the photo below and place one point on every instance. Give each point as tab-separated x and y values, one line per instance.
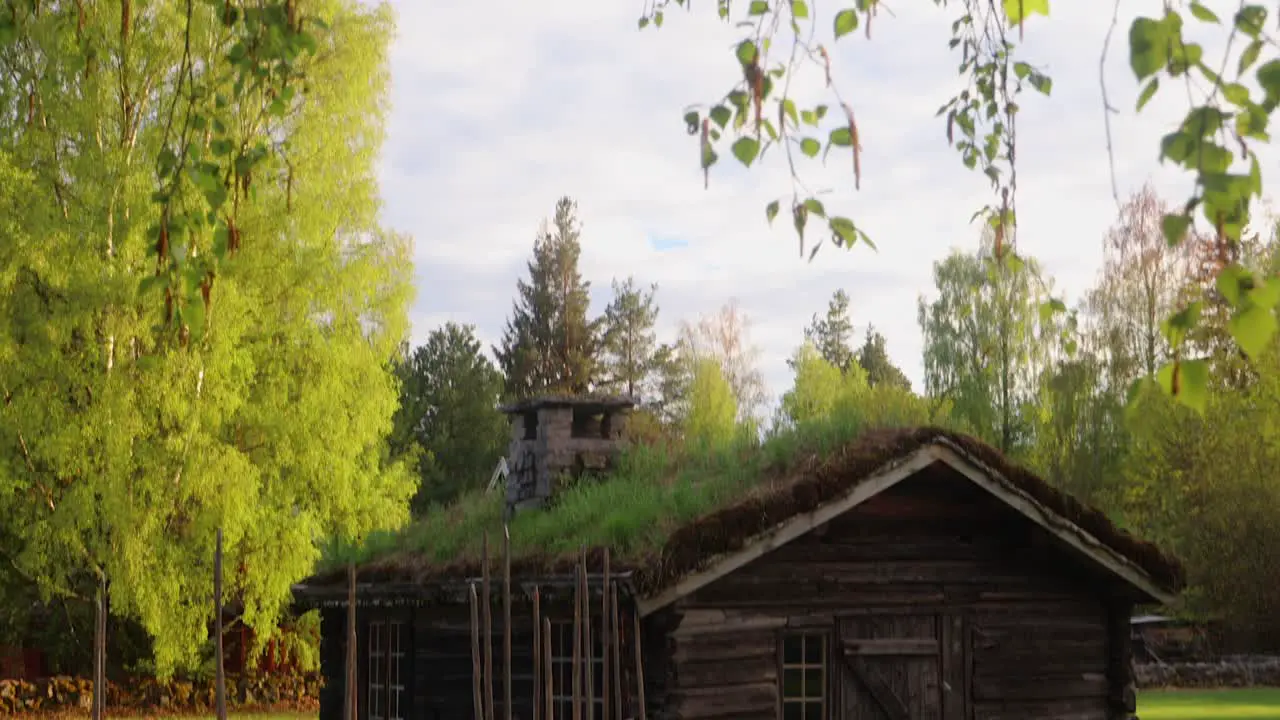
635	620
605	700
537	655
548	688
220	673
352	677
485	608
577	642
506	622
588	654
617	651
477	691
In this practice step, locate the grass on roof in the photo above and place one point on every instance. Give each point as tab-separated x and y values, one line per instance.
651	491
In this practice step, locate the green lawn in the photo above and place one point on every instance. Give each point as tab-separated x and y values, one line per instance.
1253	704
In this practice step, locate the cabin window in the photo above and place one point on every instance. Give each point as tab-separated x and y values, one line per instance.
804	676
562	670
395	678
377	671
386	660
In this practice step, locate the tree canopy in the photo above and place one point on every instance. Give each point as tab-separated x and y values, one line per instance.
201	342
449	408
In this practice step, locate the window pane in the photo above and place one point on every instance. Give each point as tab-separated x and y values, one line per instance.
813	646
792	649
813	711
813	683
792	684
793	711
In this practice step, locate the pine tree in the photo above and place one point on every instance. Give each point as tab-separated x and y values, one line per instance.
833	335
630	354
550	344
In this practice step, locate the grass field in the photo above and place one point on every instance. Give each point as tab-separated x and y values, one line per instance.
1252	704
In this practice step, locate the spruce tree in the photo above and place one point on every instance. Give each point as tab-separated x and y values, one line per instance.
550	344
630	359
833	334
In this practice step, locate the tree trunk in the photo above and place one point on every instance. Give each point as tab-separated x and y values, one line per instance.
349	687
100	651
220	687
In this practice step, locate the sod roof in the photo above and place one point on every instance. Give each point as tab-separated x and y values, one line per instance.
664	529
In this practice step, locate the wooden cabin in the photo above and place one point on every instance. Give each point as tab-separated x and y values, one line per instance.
910	575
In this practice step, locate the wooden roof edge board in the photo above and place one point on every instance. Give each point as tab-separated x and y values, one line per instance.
995	483
887	476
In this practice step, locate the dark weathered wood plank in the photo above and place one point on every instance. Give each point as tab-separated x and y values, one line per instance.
725	701
728	646
891	646
745	670
1091	709
885	697
952	667
1038	687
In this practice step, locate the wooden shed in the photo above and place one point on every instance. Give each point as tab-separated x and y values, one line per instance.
907	575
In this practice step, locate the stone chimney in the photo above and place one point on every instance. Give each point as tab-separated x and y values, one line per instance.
559	437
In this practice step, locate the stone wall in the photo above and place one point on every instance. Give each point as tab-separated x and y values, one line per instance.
1226	672
61	694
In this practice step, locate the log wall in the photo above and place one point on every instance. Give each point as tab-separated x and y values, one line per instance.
332	656
995	621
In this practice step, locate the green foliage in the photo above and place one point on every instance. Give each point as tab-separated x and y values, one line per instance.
449	394
713	410
725	338
820	386
249	392
985	343
1202	480
550	344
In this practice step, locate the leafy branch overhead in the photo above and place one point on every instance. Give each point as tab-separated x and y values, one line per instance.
1215	142
222	125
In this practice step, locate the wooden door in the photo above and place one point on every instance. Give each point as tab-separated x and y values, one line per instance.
901	667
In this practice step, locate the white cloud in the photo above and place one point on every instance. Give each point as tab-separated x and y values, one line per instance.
501	107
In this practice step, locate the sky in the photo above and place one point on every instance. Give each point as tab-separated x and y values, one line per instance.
498	108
